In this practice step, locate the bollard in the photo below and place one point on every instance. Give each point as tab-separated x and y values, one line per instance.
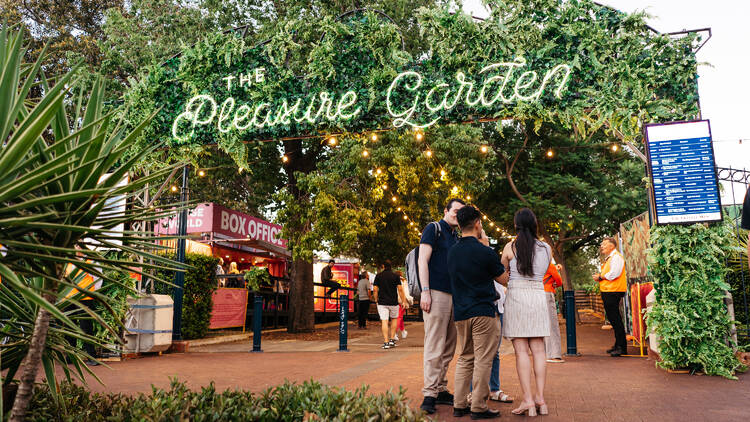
257	322
343	321
570	322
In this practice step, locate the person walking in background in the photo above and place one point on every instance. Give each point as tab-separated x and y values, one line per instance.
363	292
526	317
553	343
388	294
408	301
473	267
326	278
436	302
613	283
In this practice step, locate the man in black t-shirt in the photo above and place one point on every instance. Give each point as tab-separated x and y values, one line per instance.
388	293
745	224
473	267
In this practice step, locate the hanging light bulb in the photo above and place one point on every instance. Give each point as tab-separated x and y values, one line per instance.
385	187
484	217
615	147
419	136
442	173
428	153
468	197
365	153
406	217
492	224
285	159
332	141
201	173
378	171
174	188
550	153
398	209
374	137
483	149
394	199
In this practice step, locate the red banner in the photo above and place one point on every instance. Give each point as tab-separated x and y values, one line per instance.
229	309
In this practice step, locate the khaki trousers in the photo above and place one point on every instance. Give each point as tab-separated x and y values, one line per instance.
553	343
478	338
439	343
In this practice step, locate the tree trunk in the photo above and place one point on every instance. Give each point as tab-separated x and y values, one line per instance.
31	364
301	303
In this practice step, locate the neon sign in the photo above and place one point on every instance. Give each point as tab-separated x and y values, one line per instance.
425	107
494	88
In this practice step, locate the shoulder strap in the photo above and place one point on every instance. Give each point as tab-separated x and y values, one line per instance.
438	229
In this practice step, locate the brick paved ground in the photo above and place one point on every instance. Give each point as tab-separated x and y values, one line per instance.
592	387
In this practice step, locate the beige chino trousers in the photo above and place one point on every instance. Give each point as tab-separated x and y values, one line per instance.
478	338
439	343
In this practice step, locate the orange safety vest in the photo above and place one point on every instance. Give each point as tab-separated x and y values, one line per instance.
619	284
552	279
87	283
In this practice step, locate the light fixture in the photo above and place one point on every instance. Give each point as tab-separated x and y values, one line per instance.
398	209
393	198
497	228
365	153
484	217
201	173
483	148
442	173
174	188
419	136
385	187
550	153
428	153
406	217
227	256
374	137
492	224
468	197
614	147
285	158
378	171
332	141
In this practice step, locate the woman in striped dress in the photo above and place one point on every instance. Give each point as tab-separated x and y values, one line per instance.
526	321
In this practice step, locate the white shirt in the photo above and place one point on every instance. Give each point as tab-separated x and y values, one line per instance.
616	264
500	303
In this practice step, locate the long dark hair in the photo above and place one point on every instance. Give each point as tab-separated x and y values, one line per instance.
525	243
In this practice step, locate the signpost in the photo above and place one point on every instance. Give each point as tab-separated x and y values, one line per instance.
681	165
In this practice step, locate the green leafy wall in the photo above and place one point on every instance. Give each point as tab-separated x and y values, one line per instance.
688	264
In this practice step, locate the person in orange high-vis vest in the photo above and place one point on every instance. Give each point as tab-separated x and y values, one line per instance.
553	343
613	283
85	283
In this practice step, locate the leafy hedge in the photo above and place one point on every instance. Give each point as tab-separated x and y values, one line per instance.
200	284
287	402
688	264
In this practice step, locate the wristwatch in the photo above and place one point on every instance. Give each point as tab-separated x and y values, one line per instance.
425	289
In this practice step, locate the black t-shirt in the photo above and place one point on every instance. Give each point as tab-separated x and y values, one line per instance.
746	212
473	268
387	282
438	264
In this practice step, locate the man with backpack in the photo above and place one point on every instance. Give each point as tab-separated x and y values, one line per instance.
436	301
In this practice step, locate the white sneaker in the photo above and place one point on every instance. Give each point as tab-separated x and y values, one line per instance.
395	337
404	333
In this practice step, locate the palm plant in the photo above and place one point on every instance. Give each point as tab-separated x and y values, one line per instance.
62	164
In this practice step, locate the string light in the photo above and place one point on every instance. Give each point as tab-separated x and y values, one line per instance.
615	147
484	217
550	153
174	188
394	199
398	209
374	137
428	153
201	172
406	217
365	153
385	187
442	173
468	197
419	136
378	171
285	159
483	148
332	141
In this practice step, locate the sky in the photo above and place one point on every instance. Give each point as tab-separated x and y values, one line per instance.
723	83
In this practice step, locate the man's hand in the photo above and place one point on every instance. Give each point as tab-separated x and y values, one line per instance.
425	301
484	239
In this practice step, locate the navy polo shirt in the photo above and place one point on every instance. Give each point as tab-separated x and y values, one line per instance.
438	265
473	268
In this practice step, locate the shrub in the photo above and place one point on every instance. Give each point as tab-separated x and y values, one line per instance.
688	264
287	402
197	300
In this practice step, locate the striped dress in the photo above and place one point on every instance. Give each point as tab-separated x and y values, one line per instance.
526	302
